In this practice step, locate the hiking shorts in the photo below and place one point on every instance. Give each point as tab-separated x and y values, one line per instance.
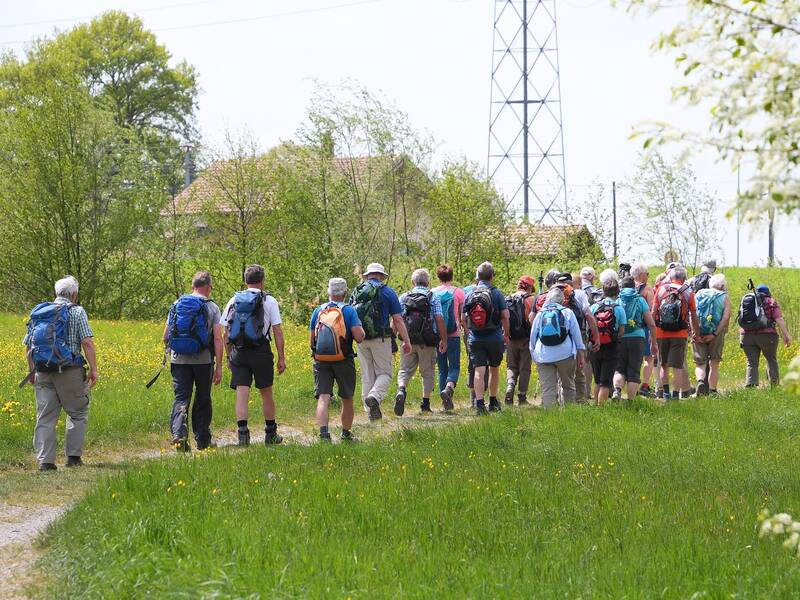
604	362
672	352
252	364
483	353
629	359
343	372
711	351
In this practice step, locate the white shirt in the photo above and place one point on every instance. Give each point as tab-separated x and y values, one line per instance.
272	313
581	299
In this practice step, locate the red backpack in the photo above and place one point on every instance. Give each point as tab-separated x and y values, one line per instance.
606	322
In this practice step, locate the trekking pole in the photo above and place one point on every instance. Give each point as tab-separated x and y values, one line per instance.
163	364
25	380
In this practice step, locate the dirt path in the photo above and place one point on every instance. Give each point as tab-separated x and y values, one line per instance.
21	524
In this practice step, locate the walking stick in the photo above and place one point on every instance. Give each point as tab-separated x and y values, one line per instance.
163	364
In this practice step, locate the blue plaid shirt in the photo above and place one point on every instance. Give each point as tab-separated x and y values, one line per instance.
436	304
78	326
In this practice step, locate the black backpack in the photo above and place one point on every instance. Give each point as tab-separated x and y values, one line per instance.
479	310
519	327
700	282
752	316
419	320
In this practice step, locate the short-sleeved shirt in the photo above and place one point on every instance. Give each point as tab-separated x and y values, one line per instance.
619	312
77	327
458	301
390	303
436	304
499	303
205	356
639	331
350	320
773	312
688	295
272	313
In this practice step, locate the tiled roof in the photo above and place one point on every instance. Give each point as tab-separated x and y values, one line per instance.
211	185
542	240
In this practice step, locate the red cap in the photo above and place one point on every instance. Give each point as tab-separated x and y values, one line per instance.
527	280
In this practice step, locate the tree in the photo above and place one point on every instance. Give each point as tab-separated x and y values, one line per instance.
596	212
679	218
739	57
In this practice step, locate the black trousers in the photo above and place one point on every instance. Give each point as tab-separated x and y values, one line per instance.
184	379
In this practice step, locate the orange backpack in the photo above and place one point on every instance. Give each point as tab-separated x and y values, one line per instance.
330	335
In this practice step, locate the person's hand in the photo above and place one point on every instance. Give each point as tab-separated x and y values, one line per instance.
31	378
92	378
281	365
595	346
506	339
406	347
654	351
442	346
217	374
787	341
581	360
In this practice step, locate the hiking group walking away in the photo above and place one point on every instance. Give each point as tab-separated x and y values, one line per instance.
572	330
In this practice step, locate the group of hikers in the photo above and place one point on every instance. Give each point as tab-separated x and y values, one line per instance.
614	328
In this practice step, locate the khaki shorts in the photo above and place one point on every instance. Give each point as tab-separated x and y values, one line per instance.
672	352
711	351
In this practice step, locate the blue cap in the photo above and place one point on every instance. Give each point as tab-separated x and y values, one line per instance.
763	290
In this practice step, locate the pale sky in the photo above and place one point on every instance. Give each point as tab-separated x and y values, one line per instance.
433	58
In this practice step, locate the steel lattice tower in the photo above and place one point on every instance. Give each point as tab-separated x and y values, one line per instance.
526	138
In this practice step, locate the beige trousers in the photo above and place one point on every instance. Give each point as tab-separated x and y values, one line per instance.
54	391
375	360
423	357
550	374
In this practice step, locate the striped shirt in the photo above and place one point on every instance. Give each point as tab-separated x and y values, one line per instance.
436	304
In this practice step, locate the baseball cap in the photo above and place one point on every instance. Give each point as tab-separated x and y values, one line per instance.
763	290
527	280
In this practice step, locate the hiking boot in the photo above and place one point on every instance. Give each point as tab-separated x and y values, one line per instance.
676	395
522	401
206	444
272	437
74	461
691	392
347	436
399	405
645	391
617	395
47	467
510	397
375	408
702	389
425	406
181	445
447	398
494	405
480	408
244	437
325	437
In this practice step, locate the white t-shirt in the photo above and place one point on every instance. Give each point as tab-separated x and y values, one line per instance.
272	313
581	299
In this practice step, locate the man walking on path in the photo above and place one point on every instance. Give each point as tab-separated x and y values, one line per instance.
762	338
334	326
251	319
449	362
518	355
486	317
424	321
193	328
58	346
380	313
674	311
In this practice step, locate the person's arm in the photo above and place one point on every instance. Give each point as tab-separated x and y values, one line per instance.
165	337
31	367
226	343
651	325
279	346
357	331
87	345
781	323
218	353
399	326
593	331
505	318
442	334
695	333
577	340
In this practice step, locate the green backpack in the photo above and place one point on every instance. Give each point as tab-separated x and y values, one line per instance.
367	301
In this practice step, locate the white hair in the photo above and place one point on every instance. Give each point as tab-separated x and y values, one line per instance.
421	277
587	272
678	273
608	275
337	287
66	287
555	295
718	282
639	269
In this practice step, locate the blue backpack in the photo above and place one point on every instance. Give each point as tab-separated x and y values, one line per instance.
246	329
552	325
629	298
448	310
47	337
710	307
188	325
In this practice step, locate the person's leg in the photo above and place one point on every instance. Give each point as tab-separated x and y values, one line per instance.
566	371
494	381
408	367
548	380
268	403
73	392
713	375
384	366
443	367
769	347
453	360
48	409
513	356
602	394
427	370
348	412
242	399
524	370
582	385
366	362
182	381
752	353
323	401
201	409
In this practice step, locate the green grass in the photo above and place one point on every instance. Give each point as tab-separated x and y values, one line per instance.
624	501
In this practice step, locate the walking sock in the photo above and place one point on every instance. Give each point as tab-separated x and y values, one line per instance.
242	423
271	425
323	430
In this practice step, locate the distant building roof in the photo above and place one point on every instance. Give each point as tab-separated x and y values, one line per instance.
543	240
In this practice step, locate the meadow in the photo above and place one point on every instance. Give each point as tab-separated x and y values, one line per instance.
634	500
